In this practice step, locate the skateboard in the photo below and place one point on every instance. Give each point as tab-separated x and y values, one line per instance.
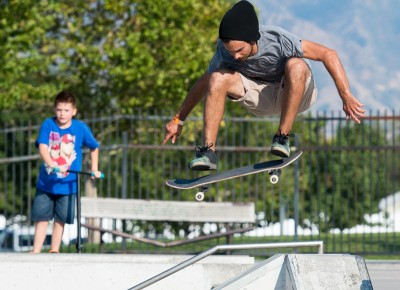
273	167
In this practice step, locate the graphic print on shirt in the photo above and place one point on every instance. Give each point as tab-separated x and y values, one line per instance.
62	152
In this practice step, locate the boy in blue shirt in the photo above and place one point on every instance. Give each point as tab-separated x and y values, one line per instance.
60	143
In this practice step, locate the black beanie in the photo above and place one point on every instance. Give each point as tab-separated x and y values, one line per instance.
240	23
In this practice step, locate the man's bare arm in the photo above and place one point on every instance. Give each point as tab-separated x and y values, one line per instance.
314	51
195	95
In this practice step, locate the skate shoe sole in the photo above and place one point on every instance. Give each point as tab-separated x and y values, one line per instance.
279	151
198	166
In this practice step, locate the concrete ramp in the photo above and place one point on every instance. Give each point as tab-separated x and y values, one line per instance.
304	272
114	272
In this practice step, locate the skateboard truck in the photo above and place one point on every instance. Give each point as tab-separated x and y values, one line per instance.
274	176
200	195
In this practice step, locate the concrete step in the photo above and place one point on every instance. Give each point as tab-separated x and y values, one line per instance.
114	272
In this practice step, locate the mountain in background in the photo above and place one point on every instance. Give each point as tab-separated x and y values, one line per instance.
365	33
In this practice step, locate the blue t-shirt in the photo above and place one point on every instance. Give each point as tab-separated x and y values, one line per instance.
65	148
275	47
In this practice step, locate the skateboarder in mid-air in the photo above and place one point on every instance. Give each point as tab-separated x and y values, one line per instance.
266	70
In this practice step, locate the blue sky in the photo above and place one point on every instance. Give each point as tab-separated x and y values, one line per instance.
365	33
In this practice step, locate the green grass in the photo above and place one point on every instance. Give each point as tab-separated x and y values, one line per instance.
370	246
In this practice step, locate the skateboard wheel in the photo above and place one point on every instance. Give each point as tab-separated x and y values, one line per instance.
274	179
199	196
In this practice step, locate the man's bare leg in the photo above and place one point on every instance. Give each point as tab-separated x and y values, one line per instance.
296	75
222	84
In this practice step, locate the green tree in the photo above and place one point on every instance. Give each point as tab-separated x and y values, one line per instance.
349	179
114	54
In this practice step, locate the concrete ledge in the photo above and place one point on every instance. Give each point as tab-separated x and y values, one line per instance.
99	271
304	272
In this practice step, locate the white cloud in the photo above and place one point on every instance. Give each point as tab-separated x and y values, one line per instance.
394	81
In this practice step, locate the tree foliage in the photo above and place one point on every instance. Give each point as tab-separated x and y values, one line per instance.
351	175
113	54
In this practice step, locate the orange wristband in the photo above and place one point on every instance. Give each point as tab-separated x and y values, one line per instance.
177	121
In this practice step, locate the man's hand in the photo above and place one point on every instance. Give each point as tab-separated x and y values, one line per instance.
353	109
172	131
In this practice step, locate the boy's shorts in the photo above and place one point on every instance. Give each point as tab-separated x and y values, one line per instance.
264	99
47	206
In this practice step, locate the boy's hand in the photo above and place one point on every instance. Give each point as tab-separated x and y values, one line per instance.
61	168
97	174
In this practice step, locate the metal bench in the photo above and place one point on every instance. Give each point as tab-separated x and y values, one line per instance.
174	211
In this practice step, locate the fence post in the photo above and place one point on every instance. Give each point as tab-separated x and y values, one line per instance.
124	179
91	191
296	192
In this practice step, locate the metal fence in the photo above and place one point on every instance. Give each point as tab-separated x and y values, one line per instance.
342	190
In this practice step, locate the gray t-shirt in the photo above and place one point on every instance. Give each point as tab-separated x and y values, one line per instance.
275	46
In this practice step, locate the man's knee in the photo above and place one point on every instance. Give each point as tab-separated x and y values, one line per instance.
296	67
224	80
221	75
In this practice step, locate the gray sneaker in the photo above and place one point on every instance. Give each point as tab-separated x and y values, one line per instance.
281	145
205	159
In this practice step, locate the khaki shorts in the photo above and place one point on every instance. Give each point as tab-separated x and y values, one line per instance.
263	99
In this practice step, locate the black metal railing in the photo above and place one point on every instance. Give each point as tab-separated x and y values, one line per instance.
343	187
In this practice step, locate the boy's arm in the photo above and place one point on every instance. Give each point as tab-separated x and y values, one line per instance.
94	156
45	154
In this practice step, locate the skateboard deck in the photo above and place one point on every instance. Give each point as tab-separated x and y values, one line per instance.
272	167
